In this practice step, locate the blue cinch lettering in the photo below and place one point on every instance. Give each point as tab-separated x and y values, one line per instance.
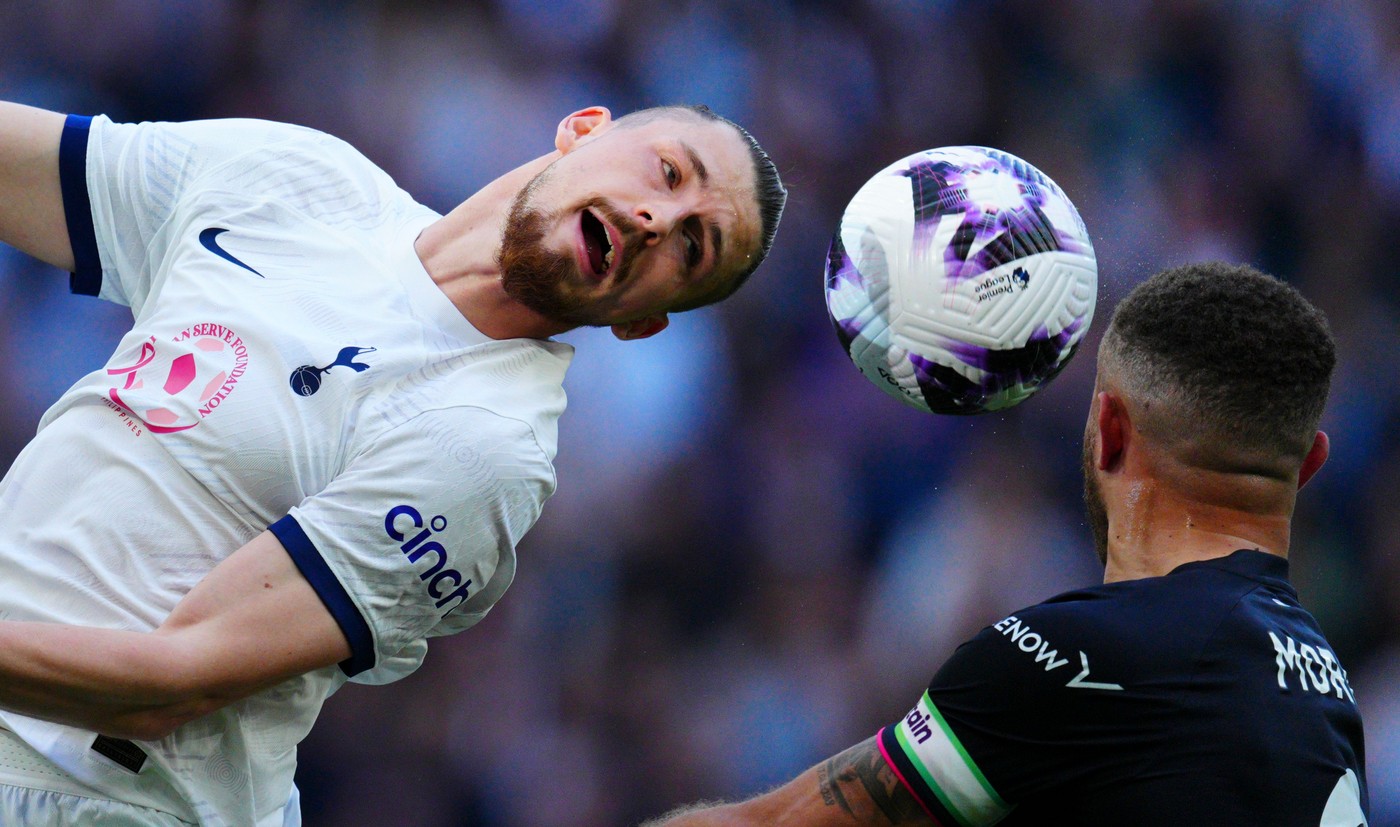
460	593
399	511
435	548
433	585
437	575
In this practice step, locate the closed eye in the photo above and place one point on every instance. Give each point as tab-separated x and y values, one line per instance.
692	251
694	246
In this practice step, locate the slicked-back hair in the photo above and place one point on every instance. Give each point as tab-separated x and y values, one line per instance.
769	192
1228	350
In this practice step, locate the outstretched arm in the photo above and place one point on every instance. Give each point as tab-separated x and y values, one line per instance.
31	195
855	787
250	624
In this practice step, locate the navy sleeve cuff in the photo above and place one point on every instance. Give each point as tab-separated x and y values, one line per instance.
314	568
77	207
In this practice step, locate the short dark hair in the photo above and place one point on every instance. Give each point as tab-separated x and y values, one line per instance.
1227	349
768	190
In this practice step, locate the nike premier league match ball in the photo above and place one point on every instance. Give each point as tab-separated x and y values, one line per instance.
961	279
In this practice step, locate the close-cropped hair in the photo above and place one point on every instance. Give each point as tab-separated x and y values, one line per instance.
1229	349
769	192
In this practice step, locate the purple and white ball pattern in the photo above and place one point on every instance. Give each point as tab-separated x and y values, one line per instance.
961	279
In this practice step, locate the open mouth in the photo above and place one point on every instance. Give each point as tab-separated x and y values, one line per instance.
597	244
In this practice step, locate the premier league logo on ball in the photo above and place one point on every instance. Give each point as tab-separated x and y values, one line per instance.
961	280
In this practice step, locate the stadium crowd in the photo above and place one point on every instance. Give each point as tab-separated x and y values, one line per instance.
752	551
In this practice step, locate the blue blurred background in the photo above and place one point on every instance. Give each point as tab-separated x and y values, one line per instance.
755	558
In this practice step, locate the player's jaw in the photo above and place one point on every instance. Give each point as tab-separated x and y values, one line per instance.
577	287
1094	509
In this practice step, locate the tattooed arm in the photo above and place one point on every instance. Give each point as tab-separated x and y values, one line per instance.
855	787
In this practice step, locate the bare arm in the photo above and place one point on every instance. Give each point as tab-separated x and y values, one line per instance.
31	198
855	787
252	623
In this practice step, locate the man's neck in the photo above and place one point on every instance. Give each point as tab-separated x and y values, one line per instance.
1156	528
460	251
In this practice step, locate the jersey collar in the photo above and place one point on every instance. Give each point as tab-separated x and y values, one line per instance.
1246	562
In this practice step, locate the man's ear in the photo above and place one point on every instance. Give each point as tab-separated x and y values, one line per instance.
1317	455
641	328
1113	431
580	124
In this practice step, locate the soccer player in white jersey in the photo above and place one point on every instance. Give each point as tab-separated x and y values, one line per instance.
1191	687
332	420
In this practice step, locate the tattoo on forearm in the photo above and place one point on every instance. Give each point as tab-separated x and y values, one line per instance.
862	769
827	775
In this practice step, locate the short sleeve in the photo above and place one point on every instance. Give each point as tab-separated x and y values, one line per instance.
999	722
122	183
417	536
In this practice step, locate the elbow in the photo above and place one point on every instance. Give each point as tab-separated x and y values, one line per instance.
135	728
174	690
152	724
149	709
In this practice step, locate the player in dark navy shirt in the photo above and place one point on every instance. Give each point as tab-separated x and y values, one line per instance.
1208	696
1191	688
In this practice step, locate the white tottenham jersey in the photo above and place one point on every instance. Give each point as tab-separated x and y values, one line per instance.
293	366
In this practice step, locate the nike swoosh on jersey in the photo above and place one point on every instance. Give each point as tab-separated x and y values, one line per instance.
210	239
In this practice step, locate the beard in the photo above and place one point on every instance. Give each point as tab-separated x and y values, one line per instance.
531	273
540	278
1094	509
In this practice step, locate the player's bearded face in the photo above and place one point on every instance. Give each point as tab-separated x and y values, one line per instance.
1093	500
545	280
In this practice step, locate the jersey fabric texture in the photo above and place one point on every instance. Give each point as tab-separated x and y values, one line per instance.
291	366
1207	696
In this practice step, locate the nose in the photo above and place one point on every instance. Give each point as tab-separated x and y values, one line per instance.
656	219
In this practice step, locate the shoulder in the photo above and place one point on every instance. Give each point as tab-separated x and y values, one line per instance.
1093	615
280	161
1186	606
214	140
510	381
493	407
1114	634
1150	632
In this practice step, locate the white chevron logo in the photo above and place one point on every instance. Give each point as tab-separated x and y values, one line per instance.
1078	681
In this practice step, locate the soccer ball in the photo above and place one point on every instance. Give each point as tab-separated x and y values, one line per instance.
960	280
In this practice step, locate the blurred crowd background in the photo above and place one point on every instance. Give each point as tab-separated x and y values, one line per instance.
755	558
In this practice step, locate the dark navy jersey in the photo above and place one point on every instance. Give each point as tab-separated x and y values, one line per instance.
1205	697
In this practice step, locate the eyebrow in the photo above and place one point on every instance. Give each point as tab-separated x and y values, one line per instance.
716	236
695	161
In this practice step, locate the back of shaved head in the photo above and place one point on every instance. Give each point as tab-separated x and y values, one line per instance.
1226	367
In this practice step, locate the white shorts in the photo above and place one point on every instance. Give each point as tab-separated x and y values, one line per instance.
42	808
35	792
